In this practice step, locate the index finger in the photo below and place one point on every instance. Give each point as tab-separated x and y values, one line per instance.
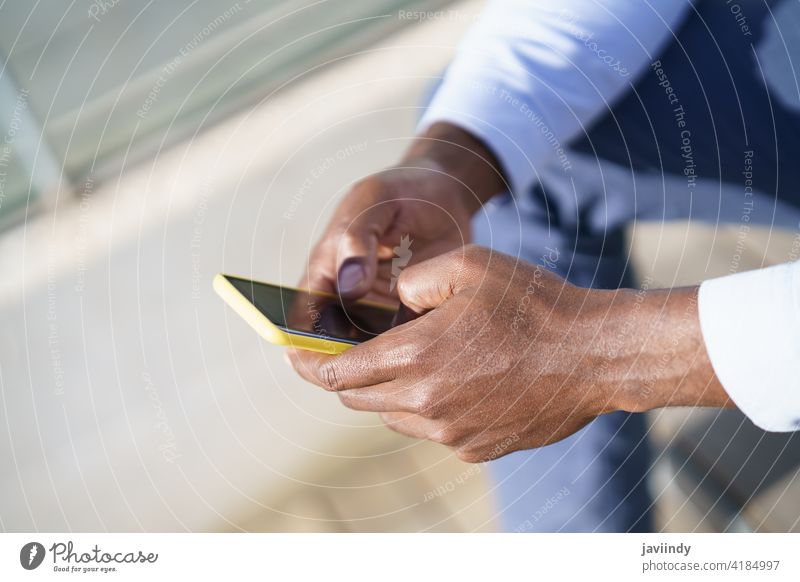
373	362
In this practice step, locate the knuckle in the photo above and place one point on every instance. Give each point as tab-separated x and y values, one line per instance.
365	183
369	190
469	455
406	355
394	426
470	249
414	405
427	403
395	423
445	436
346	399
340	230
330	377
422	401
471	260
405	281
475	254
391	427
326	247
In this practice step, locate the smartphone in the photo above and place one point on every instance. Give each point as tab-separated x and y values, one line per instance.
307	320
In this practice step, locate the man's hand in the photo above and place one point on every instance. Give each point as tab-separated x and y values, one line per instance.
505	356
427	200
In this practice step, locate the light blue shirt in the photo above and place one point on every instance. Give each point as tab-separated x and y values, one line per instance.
530	76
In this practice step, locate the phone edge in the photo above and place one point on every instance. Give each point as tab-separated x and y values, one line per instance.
245	309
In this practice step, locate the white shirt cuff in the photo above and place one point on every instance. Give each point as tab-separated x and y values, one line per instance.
751	327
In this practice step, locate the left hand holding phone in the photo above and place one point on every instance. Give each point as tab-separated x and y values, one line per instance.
483	366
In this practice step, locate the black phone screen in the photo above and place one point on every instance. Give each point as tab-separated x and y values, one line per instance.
316	314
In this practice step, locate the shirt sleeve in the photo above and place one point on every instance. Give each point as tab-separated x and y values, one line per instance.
751	328
530	75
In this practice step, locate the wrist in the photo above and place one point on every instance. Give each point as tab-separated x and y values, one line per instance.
463	158
662	359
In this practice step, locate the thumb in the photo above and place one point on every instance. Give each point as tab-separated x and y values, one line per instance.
357	255
427	285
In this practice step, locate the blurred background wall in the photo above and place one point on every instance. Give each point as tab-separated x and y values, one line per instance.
151	145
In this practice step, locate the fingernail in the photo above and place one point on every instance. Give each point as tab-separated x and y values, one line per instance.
351	275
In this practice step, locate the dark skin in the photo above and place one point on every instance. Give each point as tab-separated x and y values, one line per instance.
431	195
502	355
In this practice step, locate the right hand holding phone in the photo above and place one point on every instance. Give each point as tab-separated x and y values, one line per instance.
416	210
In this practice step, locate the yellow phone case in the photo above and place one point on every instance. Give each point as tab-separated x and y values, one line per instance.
268	330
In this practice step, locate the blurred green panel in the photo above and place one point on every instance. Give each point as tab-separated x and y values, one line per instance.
106	76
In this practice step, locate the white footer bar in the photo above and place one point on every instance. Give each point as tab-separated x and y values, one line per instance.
406	557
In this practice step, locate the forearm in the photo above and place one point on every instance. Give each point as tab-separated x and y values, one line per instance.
455	152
